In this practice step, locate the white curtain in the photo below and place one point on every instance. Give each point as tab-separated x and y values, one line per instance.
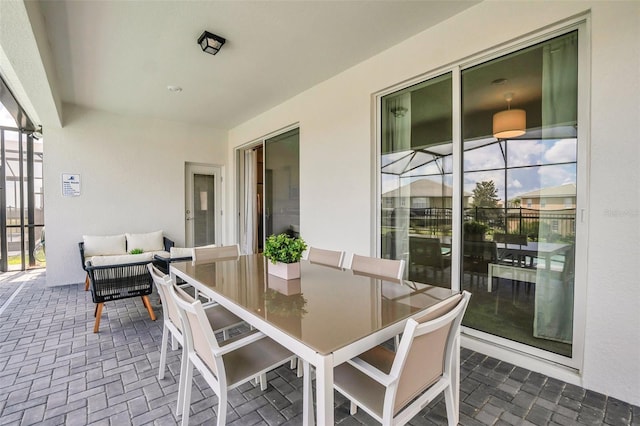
249	239
553	317
559	85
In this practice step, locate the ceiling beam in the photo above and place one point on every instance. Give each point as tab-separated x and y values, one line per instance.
26	63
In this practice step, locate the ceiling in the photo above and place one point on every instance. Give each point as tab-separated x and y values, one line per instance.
120	56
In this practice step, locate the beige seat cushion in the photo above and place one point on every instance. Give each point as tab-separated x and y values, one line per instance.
121	259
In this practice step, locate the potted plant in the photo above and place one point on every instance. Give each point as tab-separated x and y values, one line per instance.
284	253
474	231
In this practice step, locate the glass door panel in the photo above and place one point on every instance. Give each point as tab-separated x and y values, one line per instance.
519	217
417	180
204	210
282	184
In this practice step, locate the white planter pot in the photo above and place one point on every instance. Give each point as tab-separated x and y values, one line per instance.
288	271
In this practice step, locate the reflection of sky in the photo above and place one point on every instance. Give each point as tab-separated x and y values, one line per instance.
533	164
5	118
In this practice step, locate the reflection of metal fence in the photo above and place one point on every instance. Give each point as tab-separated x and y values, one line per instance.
547	224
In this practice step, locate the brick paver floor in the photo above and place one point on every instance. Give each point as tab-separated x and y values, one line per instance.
55	371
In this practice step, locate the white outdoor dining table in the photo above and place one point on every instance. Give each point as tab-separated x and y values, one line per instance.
326	317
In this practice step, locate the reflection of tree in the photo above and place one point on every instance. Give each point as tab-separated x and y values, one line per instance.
485	194
285	306
485	201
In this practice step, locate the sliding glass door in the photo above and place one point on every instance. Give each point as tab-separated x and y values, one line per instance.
269	189
513	172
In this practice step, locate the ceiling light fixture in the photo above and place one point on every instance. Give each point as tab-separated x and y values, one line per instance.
37	133
509	123
210	43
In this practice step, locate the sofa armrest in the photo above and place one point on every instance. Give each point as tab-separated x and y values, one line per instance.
167	244
81	247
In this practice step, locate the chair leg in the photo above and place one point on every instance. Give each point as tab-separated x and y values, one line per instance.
163	352
353	408
98	314
147	304
182	382
86	283
222	408
452	414
174	343
187	392
263	382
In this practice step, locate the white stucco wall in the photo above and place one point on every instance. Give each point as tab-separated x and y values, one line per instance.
132	180
336	148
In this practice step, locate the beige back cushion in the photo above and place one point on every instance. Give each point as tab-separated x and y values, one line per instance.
325	257
150	241
383	268
425	362
201	343
104	245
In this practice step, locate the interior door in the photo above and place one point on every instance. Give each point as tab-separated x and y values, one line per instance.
203	206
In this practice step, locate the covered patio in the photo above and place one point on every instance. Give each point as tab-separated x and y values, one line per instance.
54	370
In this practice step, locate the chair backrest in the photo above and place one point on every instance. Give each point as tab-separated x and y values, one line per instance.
483	251
163	282
325	257
208	254
426	351
199	339
510	239
376	267
425	252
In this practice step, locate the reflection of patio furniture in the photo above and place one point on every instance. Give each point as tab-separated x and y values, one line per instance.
477	256
426	254
506	256
553	280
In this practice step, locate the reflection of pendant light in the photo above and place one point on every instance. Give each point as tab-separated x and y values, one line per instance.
509	123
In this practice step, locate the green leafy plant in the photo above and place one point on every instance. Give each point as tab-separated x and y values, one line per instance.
475	228
284	248
136	251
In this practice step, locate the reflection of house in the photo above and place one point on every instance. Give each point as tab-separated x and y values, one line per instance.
555	198
422	194
553	208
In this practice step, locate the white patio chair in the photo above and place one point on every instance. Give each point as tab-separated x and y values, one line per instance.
393	387
223	366
377	268
219	318
325	257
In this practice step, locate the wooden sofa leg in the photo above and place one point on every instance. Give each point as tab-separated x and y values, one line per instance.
86	283
147	304
98	314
